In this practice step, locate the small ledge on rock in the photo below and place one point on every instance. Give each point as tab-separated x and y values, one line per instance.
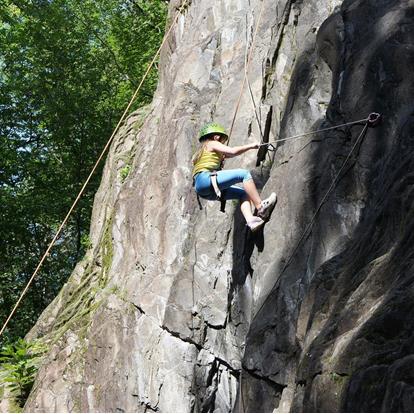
185	339
227	365
215	327
268	380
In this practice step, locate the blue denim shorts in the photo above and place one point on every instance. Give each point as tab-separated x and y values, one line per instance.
226	180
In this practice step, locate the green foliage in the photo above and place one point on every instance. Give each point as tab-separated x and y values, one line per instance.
67	70
19	364
124	172
86	242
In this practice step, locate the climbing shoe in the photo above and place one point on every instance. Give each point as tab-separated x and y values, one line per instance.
255	224
267	206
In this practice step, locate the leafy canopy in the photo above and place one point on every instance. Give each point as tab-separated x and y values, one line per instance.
67	70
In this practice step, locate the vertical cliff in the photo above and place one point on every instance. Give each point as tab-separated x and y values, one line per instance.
179	309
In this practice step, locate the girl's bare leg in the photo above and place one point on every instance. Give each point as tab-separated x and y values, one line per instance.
251	190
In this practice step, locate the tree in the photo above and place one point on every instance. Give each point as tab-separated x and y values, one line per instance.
67	70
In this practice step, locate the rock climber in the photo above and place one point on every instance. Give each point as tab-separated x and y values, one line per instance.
207	164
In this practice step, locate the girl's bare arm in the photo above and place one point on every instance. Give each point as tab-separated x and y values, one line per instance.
230	152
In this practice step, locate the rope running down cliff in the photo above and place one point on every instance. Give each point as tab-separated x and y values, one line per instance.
310	225
180	10
313	219
271	146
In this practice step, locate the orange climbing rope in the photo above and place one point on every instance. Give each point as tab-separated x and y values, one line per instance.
151	64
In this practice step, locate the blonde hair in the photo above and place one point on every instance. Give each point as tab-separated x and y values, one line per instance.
204	140
197	155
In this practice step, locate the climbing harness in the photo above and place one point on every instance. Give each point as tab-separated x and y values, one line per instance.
52	243
371	121
211	129
219	194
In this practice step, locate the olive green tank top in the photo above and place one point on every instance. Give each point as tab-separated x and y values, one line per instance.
208	161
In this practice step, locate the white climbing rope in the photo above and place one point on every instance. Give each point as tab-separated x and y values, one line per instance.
317	131
313	219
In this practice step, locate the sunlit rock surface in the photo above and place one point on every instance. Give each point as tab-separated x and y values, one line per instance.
177	309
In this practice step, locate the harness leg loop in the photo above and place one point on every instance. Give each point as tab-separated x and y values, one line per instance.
219	194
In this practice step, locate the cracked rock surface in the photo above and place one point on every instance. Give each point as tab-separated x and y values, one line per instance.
174	309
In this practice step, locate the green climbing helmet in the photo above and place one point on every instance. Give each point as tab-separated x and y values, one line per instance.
212	128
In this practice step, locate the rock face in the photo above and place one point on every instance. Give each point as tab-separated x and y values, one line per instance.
176	309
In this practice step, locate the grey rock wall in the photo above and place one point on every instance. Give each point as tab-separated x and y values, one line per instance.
175	309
